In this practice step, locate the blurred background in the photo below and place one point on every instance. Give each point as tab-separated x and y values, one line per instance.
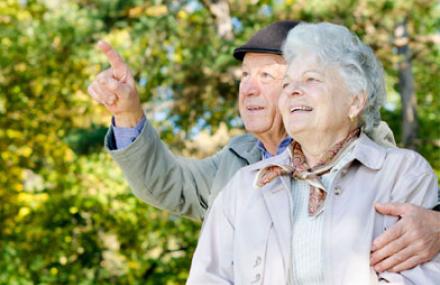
66	214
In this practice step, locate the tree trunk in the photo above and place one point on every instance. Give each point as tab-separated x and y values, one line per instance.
221	13
406	86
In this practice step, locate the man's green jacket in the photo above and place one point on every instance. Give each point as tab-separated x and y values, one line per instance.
182	185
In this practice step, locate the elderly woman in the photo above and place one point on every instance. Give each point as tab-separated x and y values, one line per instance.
307	216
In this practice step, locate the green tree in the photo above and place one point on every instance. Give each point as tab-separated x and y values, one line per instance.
66	213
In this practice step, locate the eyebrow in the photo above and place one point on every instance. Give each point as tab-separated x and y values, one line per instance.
312	70
263	65
307	71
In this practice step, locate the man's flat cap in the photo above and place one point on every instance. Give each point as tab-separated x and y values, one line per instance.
268	40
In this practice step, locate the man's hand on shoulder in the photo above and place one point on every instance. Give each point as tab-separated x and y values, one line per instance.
115	88
413	240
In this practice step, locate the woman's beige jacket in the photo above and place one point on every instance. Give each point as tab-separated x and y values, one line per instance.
246	237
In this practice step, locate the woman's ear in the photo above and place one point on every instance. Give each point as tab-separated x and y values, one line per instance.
358	103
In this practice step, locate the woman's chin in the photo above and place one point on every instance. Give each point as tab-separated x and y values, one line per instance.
296	131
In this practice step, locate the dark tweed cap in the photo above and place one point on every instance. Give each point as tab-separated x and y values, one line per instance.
268	40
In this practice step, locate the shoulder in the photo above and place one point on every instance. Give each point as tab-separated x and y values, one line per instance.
380	157
412	178
239	144
407	159
244	147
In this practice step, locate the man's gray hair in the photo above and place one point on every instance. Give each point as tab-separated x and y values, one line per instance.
359	67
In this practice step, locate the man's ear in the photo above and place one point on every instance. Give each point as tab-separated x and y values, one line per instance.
358	104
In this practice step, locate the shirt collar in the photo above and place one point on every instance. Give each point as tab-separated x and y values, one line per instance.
281	147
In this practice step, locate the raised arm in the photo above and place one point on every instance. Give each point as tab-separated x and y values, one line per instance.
156	176
162	179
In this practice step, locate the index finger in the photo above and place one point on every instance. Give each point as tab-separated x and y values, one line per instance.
387	237
118	65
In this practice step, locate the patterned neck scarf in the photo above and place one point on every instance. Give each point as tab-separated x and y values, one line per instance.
300	169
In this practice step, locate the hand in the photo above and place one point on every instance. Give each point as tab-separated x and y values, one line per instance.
116	90
413	240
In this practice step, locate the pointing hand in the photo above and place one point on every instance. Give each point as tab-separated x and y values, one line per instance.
115	88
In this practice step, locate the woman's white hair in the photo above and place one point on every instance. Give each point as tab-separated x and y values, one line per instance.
359	67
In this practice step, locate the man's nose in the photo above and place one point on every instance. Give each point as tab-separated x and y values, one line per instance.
249	86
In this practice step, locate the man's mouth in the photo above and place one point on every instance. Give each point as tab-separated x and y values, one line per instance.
254	108
301	108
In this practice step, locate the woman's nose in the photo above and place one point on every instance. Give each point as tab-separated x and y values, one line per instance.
294	89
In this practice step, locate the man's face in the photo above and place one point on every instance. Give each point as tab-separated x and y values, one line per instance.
260	87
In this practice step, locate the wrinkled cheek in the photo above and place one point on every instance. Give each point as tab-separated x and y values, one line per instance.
240	106
282	111
280	104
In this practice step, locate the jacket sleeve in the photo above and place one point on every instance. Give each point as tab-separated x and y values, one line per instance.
417	185
166	181
212	262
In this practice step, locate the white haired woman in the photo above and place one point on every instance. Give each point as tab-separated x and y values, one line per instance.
307	216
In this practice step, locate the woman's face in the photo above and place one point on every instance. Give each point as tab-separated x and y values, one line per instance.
315	99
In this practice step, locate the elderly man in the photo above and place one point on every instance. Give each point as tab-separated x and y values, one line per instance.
188	187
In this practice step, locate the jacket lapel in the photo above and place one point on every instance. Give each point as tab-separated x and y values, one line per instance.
277	199
246	149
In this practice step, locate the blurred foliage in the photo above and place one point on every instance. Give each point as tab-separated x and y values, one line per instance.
66	213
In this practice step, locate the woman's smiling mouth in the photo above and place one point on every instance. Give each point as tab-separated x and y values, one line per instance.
300	108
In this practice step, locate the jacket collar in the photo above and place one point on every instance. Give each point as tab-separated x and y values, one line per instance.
369	153
366	151
283	158
246	148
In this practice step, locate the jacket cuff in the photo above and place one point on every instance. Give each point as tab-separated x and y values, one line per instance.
136	148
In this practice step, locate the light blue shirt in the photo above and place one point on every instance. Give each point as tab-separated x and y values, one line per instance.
283	145
125	136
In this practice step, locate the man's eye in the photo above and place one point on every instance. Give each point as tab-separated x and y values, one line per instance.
244	74
285	85
266	75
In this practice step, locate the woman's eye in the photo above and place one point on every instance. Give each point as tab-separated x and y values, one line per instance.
285	85
244	74
312	79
